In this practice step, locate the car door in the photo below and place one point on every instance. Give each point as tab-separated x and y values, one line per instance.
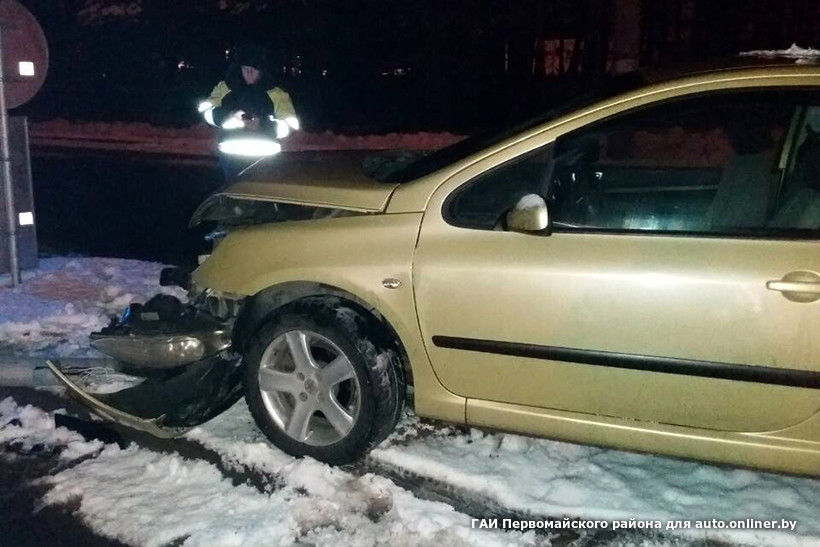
664	292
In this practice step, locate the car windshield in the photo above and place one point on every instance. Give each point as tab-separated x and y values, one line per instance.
441	158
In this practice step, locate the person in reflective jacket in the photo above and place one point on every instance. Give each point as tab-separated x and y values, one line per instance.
250	110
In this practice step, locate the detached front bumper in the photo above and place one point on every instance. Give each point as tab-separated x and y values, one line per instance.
184	354
153	426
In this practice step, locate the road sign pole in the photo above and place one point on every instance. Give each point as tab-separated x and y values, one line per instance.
8	188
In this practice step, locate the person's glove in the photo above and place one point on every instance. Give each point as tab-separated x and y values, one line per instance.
234	121
284	127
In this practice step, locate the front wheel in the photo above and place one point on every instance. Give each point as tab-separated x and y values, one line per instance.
321	382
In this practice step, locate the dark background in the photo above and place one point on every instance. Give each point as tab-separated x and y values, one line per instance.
380	66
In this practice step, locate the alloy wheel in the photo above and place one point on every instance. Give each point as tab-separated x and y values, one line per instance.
309	388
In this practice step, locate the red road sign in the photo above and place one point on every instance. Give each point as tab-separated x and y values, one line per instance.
25	53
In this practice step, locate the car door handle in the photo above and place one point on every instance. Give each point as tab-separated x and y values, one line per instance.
798	286
793	286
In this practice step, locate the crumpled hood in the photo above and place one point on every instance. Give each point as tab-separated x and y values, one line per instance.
333	180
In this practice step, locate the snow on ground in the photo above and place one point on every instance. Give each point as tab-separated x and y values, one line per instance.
794	52
542	477
28	426
65	299
406	519
538	478
102	11
146	498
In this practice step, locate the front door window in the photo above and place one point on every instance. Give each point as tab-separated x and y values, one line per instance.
710	165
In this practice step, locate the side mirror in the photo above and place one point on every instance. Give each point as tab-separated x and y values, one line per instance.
529	215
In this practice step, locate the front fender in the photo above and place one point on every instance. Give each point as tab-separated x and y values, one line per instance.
354	255
350	255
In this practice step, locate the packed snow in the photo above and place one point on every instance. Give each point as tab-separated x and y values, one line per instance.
65	299
406	520
794	52
310	502
161	499
103	11
28	426
541	477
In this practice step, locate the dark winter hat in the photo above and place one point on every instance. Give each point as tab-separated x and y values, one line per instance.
251	55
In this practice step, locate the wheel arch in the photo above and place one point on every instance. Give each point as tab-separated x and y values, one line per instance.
258	308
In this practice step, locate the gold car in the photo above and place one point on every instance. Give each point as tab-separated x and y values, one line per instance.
641	272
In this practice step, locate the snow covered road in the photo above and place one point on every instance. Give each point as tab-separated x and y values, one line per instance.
539	478
142	497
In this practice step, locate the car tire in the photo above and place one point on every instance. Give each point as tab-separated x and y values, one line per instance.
293	363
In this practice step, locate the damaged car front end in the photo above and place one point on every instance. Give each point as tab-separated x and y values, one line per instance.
186	355
182	353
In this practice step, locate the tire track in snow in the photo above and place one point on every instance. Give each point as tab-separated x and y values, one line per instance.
146	497
466	502
244	448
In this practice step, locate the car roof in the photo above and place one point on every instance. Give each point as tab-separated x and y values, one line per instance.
721	66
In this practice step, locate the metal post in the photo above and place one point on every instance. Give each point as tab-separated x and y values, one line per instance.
8	188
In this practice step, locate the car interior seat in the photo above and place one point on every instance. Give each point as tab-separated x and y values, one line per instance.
748	185
799	204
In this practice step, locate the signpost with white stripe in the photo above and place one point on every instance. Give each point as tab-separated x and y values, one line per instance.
23	67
